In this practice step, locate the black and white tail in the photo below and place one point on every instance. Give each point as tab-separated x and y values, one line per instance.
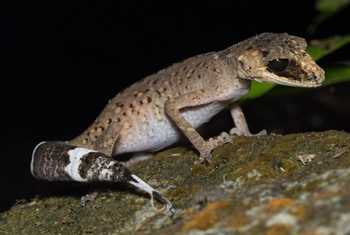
59	161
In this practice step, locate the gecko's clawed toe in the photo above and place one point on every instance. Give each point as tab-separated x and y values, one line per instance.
204	158
262	132
239	132
225	137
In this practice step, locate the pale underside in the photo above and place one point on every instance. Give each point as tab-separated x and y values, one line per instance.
155	134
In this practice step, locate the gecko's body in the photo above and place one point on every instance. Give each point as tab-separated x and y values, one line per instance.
156	111
136	119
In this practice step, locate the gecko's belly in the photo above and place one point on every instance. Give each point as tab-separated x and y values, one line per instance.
155	134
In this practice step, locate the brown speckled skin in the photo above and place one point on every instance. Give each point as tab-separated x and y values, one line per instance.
154	112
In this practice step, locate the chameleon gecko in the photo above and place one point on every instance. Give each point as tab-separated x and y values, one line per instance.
162	108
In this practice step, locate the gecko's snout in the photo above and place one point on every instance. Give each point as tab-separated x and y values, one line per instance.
315	78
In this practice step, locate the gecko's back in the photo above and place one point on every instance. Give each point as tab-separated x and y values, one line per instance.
137	113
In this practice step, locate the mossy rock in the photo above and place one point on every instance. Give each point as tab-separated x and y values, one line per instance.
273	184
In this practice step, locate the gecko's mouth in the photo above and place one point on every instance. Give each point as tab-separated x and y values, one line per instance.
292	80
288	72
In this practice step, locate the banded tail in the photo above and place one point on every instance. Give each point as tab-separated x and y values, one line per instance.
59	161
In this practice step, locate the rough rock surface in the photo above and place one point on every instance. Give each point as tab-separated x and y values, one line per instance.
292	184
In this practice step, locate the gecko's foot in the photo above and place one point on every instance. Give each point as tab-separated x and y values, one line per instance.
223	138
203	160
205	157
240	132
260	133
211	144
84	200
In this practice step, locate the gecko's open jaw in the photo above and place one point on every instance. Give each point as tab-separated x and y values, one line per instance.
289	72
311	81
280	59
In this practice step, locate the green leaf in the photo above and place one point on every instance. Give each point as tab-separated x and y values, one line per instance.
337	74
320	48
330	6
258	89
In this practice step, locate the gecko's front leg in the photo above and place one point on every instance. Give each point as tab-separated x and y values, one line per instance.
173	109
241	126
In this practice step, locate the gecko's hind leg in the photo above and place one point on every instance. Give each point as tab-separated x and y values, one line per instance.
108	142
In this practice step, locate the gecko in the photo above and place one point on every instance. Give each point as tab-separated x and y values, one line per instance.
171	104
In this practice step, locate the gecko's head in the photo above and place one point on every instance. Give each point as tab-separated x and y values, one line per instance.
281	59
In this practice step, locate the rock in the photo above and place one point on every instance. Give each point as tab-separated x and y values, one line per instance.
293	184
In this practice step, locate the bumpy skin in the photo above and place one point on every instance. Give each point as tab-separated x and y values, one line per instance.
158	110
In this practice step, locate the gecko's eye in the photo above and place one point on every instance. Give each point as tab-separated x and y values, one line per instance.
278	65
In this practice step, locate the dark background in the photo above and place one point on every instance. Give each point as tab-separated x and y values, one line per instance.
61	62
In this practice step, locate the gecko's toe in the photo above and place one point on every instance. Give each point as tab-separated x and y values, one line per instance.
262	132
239	132
225	137
204	160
